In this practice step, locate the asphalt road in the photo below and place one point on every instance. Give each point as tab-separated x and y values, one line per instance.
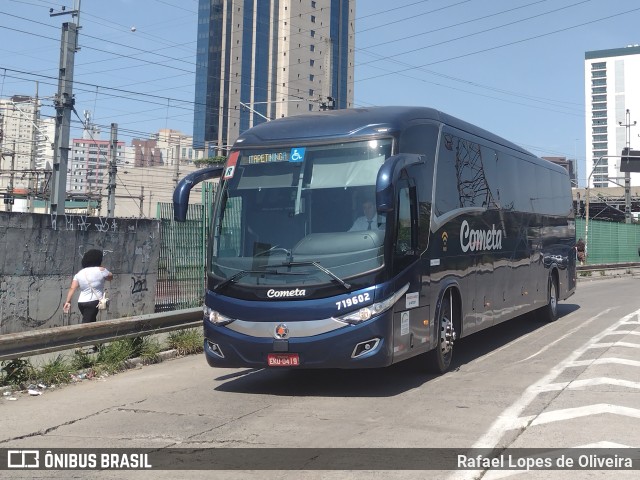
522	384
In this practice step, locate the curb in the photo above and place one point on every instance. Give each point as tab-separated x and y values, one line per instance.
162	356
131	363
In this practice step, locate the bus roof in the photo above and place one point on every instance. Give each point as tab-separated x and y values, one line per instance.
356	122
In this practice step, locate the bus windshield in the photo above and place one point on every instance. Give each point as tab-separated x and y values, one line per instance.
294	216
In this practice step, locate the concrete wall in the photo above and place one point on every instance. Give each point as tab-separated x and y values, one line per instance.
40	254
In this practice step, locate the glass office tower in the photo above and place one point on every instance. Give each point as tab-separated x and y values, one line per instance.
258	60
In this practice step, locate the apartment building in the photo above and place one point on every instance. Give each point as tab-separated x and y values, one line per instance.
257	61
612	102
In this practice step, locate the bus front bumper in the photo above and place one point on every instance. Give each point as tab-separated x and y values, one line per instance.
368	345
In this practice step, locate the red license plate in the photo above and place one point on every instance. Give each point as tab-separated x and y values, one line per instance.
283	359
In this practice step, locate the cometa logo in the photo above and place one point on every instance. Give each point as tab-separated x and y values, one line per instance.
479	240
271	293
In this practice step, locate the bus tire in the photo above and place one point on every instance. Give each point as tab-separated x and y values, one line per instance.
550	310
439	359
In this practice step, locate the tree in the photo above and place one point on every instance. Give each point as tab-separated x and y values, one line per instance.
203	162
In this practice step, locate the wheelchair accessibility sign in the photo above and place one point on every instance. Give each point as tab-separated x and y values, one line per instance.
297	154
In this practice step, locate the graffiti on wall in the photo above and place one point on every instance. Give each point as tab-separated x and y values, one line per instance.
37	269
139	285
85	223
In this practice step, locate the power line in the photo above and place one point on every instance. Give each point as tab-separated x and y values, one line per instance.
127	56
515	42
191	104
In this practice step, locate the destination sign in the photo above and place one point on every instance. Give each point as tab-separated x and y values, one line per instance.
268	157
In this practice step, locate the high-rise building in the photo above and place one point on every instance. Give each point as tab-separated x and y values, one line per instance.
177	148
89	171
612	102
261	60
17	139
45	136
147	153
26	151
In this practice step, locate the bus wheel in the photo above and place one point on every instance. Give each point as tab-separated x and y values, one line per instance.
439	359
550	310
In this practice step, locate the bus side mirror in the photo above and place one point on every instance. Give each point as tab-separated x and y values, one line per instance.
181	192
388	176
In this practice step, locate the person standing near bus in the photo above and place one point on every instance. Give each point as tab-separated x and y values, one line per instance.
370	220
91	281
581	251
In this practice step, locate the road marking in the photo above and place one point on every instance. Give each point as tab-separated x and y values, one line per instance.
590	382
615	344
524	337
510	417
605	361
602	444
568	334
625	332
585	411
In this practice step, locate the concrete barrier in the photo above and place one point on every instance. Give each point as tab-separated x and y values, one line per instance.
36	342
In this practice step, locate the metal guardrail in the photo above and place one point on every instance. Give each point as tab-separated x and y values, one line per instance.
607	266
36	342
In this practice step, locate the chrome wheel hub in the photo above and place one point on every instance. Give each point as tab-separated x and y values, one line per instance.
447	335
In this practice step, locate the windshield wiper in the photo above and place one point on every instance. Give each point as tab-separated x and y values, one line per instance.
235	277
322	269
244	273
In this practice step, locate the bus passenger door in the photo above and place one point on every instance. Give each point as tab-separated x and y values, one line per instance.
410	320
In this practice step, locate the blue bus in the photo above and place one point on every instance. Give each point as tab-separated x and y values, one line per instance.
359	238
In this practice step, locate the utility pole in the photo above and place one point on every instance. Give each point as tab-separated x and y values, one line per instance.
113	169
9	199
176	159
141	200
64	105
32	160
627	175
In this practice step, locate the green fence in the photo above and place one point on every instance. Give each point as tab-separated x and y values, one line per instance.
181	272
610	242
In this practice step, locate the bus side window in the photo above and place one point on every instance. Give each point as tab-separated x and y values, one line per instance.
406	234
230	230
446	182
489	167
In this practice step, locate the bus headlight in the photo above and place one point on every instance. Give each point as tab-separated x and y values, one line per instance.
216	317
365	313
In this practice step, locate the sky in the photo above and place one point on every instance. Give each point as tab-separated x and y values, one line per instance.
513	67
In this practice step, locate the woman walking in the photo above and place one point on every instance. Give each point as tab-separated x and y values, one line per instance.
91	281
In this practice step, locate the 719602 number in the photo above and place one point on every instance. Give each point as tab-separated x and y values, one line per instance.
355	300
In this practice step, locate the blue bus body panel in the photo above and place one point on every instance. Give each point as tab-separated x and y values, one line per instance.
331	349
288	310
328	350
